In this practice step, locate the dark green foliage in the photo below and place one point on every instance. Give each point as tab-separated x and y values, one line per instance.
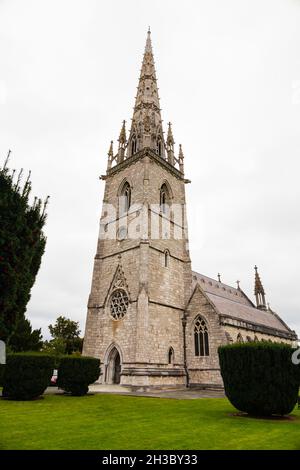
23	338
2	369
27	375
259	377
65	331
22	245
55	347
75	374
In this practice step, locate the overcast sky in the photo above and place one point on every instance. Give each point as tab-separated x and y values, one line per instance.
229	81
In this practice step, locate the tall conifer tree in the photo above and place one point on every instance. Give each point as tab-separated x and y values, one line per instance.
22	244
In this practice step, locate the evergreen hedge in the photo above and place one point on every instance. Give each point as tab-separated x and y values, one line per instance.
27	375
2	369
259	377
75	374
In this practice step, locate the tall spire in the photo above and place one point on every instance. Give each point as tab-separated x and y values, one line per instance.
146	129
146	126
259	291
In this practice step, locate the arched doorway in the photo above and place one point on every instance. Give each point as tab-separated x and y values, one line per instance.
117	369
113	372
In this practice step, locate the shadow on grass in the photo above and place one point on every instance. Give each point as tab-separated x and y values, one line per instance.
20	399
276	418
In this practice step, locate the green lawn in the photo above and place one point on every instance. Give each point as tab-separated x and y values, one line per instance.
125	422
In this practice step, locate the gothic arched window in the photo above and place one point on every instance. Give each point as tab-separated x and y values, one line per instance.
201	337
166	258
159	147
125	198
239	338
171	356
133	144
164	198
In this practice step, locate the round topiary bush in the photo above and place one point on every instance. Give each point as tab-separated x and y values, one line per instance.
2	369
27	375
259	377
75	374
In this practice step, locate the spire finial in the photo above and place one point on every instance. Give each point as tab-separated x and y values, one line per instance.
219	277
170	145
170	138
111	151
122	137
110	155
181	159
148	47
122	144
259	291
238	284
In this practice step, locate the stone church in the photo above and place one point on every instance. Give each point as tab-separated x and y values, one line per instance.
151	320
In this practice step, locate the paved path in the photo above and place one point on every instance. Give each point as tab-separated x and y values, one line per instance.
182	394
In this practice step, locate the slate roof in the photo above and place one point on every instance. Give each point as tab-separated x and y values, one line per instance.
234	303
211	286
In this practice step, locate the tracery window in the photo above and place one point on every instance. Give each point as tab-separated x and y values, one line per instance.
118	304
201	337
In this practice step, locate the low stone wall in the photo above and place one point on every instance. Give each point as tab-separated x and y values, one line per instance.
204	377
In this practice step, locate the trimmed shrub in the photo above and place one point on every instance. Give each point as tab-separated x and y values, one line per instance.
2	369
27	375
75	374
259	377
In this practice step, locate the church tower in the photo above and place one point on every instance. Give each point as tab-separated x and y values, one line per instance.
142	273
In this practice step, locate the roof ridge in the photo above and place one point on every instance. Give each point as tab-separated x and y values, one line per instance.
220	283
249	306
272	312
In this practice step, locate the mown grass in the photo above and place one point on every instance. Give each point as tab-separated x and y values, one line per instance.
126	422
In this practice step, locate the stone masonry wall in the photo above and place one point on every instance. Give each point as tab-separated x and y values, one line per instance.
204	370
235	331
